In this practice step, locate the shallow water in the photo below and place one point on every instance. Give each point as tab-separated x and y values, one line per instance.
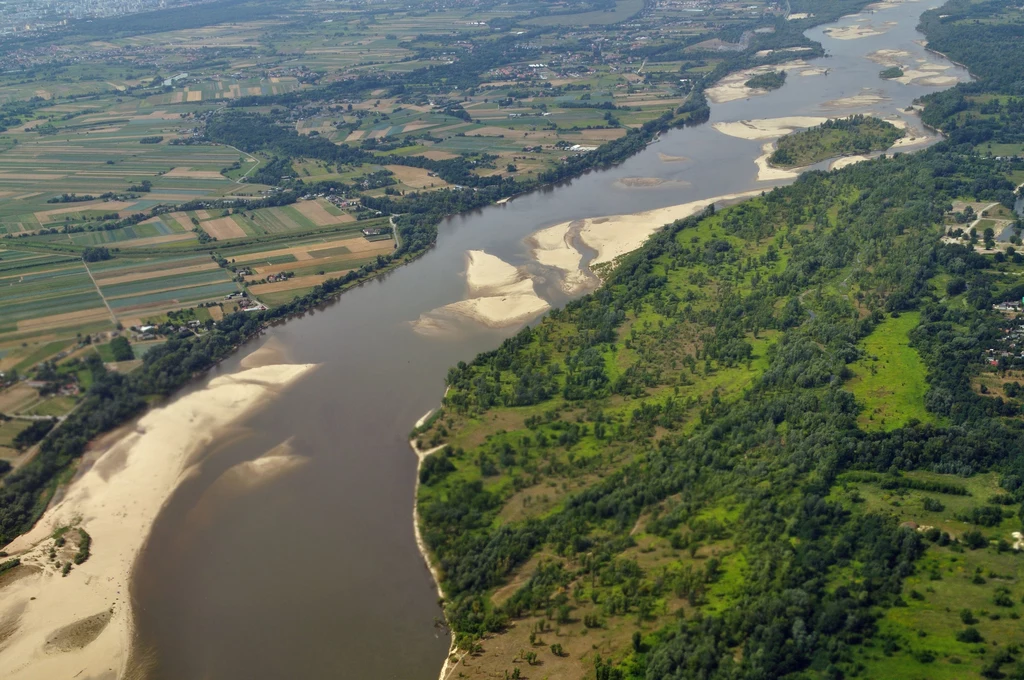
314	572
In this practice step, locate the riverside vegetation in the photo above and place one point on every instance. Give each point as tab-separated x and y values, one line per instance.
857	134
301	134
690	472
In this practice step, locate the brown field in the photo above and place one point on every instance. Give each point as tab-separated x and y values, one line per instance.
216	312
417	178
156	273
294	283
109	206
203	215
355	136
356	246
60	320
189	173
196	96
263	272
413	127
320	217
157	240
16	398
603	135
438	155
223	228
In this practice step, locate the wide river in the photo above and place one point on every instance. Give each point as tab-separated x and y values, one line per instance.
316	574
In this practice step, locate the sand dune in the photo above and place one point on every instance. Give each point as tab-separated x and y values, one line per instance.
80	625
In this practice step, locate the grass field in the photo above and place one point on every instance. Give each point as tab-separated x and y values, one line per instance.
890	380
919	640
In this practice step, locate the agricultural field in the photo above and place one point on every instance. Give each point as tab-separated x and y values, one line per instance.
107	146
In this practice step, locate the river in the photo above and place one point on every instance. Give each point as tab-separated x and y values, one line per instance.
316	573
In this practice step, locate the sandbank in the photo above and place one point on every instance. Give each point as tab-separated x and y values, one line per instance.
649	182
665	158
499	295
733	86
553	247
487	273
767	128
81	625
863	99
846	160
855	32
767	172
614	236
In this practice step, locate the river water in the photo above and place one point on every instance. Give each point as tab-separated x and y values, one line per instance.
316	573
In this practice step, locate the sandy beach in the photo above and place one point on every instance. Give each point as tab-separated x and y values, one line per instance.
80	625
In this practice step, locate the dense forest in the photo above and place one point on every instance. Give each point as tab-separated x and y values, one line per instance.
683	474
836	137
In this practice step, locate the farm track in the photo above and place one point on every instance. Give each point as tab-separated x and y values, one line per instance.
113	317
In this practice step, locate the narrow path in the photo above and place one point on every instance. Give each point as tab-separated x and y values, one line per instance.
113	317
394	232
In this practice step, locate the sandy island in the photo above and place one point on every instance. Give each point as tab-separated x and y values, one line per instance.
80	625
733	86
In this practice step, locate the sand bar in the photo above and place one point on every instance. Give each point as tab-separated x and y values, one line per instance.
80	625
767	128
553	247
614	236
767	172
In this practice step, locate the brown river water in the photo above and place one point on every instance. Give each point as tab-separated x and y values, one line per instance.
316	574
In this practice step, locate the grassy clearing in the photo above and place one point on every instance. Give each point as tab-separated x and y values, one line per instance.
890	380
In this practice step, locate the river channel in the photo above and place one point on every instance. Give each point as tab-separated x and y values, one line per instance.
316	573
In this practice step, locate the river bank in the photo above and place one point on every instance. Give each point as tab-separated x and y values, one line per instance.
64	625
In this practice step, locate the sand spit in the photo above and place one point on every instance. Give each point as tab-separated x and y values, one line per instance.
766	172
80	625
840	163
767	128
614	236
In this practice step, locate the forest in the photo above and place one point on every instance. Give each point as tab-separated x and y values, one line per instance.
678	469
836	137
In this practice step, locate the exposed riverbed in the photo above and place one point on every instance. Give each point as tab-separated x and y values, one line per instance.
314	571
